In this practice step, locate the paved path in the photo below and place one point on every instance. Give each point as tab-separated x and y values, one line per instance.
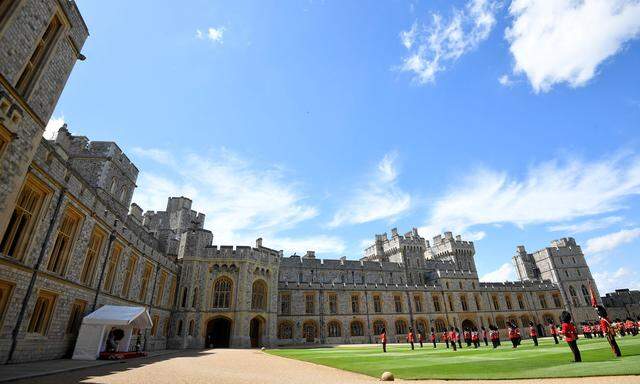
243	366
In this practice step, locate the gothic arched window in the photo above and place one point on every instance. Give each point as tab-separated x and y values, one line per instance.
259	295
221	297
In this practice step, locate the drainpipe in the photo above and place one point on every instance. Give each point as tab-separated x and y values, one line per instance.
153	290
34	276
112	237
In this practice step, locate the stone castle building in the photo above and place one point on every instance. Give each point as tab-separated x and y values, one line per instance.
71	241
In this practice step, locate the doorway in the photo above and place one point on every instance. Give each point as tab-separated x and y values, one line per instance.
255	330
218	333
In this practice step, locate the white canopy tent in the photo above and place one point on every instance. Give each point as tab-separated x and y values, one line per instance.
96	326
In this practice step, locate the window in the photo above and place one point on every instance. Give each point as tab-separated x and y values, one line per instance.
161	285
574	296
421	325
154	326
23	219
309	303
6	289
334	329
222	293
355	304
112	266
93	253
192	327
172	292
450	300
417	299
75	318
285	304
259	295
194	299
520	302
440	326
397	300
41	315
556	300
113	186
477	300
378	326
500	323
566	273
463	302
543	301
357	329
128	275
124	192
5	135
183	303
64	241
165	328
401	327
586	295
507	299
285	330
377	304
144	283
333	303
436	304
36	60
179	328
496	304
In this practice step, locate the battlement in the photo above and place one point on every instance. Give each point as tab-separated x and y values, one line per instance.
564	242
539	285
448	245
296	261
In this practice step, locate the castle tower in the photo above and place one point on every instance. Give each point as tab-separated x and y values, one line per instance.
525	265
455	250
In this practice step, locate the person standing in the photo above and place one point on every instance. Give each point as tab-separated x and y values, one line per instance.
453	336
420	337
475	338
484	336
495	336
445	338
533	333
467	336
458	338
383	339
513	335
607	329
570	335
410	338
433	337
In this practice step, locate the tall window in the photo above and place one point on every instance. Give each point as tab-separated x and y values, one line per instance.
586	295
165	328
93	253
543	301
440	326
357	329
377	304
194	299
463	302
450	300
309	303
397	300
285	304
64	240
5	135
556	300
496	304
41	315
520	302
192	327
500	323
124	192
401	327
172	292
417	299
378	326
477	300
5	294
333	304
128	275
285	330
574	296
507	299
36	60
222	292
355	304
161	285
259	295
334	328
154	326
436	303
144	283
112	266
75	318
23	219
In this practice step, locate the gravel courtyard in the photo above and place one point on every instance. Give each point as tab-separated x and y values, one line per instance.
243	366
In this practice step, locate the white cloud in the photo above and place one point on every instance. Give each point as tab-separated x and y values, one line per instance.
621	278
242	201
564	41
506	272
549	193
431	48
505	80
158	155
213	34
321	244
611	240
587	226
51	130
380	199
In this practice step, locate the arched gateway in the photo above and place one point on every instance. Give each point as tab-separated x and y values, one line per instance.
218	333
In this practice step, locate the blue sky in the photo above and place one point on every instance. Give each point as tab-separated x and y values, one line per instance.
316	124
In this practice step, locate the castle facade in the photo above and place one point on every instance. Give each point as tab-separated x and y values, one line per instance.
71	240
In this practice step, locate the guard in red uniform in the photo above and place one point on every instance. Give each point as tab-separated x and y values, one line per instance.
495	336
484	336
453	336
533	333
605	326
554	332
383	339
513	334
410	338
459	338
467	336
570	335
433	337
445	338
475	338
420	337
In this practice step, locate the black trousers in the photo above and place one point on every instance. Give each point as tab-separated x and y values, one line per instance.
411	345
384	347
614	345
453	344
555	339
468	341
495	343
486	342
447	341
514	342
576	352
535	340
420	343
434	343
459	343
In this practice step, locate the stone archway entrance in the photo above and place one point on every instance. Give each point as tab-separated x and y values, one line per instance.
468	324
255	332
218	333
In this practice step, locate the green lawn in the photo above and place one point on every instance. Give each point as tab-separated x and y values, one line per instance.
547	360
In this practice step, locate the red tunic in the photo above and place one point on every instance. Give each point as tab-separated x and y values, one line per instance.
569	332
453	336
484	334
433	337
605	326
410	337
474	336
495	335
554	330
420	337
467	335
533	332
383	337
